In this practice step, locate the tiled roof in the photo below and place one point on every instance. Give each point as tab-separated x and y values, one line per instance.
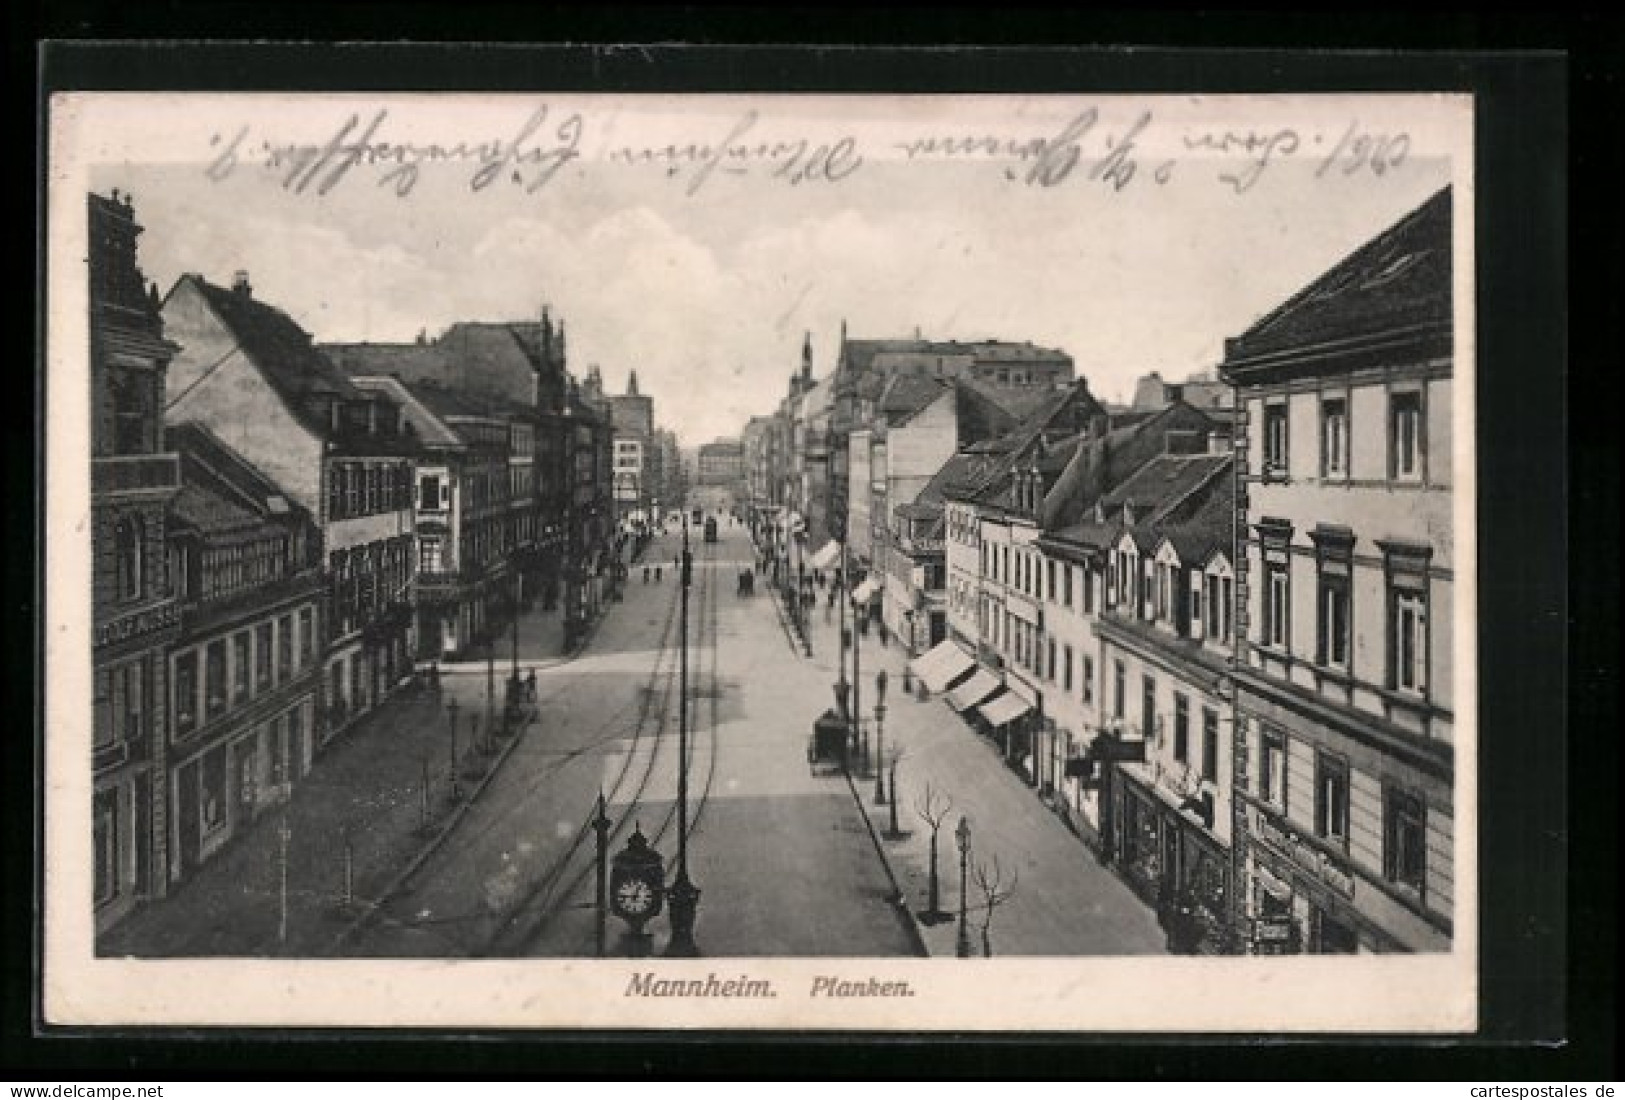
1397	282
906	396
277	344
222	494
1162	484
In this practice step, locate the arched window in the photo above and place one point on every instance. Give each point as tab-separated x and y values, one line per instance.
128	560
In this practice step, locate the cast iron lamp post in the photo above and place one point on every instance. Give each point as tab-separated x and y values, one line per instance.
451	713
880	738
962	834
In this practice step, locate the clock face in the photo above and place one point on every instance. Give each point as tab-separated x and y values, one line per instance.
634	896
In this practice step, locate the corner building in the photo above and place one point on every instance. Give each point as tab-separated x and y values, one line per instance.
1344	733
135	617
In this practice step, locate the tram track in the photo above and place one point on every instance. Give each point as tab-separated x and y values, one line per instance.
560	888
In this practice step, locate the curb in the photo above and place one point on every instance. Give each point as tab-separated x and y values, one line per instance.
394	885
899	898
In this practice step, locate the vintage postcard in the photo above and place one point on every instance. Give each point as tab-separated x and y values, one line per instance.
931	562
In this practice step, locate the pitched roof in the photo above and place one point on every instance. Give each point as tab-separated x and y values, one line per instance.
490	357
222	494
1157	488
276	343
1394	284
906	396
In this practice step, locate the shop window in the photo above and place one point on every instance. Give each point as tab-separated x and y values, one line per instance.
1332	799
105	841
284	647
214	679
1330	936
186	691
213	792
262	656
1404	849
307	637
239	666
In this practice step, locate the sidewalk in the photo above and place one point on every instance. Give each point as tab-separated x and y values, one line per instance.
367	786
1065	902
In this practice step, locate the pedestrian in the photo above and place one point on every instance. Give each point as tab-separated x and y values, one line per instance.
530	686
657	574
645	574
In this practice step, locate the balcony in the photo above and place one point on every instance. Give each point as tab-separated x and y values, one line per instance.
135	473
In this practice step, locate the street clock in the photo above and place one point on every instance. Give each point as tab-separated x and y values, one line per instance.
637	882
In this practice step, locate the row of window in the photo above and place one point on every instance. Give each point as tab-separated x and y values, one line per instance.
1194	604
365	579
230	569
1407	437
1151	723
1406	611
357	489
237	669
1404	826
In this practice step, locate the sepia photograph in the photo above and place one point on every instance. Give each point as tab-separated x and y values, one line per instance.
928	562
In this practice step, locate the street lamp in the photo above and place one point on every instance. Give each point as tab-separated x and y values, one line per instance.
962	834
880	738
451	713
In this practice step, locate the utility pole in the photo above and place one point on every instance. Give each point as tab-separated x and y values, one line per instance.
962	834
684	895
600	825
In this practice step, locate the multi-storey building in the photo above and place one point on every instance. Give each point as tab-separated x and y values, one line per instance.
866	368
635	460
475	508
246	668
1165	639
721	462
253	377
1001	575
1344	737
523	363
1076	545
133	479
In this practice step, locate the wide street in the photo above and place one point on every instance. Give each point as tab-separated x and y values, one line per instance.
784	859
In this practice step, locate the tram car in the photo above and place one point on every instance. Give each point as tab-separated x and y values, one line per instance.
710	528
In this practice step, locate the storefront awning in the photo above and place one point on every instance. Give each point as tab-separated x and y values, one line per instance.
1003	709
937	668
868	589
827	556
973	691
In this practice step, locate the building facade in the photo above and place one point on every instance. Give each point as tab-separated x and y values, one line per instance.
252	376
135	616
1344	690
246	667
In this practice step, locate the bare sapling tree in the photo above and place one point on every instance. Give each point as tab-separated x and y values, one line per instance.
933	807
995	892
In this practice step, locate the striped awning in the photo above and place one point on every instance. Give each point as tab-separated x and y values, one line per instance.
939	667
981	684
1004	708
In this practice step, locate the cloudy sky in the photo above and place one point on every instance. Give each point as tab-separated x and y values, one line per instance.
705	286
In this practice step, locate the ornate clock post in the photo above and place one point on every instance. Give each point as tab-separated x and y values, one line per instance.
637	883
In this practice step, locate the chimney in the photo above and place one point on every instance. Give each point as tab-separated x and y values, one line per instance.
1175	392
240	285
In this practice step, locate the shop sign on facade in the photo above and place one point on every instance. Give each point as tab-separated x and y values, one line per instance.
1301	853
142	622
